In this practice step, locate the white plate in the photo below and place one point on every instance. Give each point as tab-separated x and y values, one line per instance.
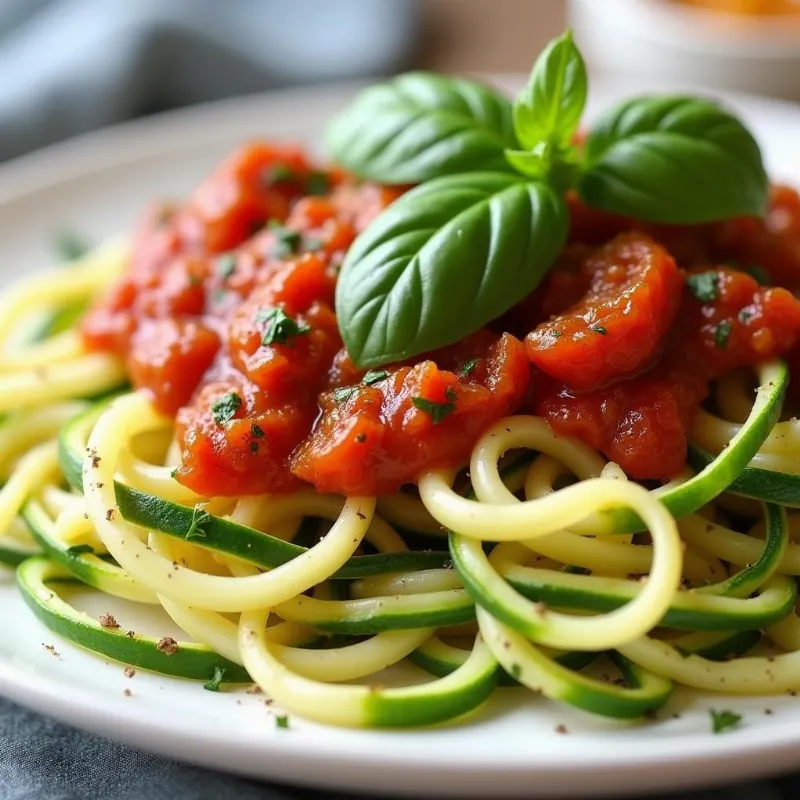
97	184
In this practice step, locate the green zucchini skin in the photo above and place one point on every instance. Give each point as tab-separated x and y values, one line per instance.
38	579
759	484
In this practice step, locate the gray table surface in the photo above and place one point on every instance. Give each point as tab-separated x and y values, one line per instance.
41	759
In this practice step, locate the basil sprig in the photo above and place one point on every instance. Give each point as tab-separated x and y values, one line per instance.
462	247
421	126
677	160
488	218
547	112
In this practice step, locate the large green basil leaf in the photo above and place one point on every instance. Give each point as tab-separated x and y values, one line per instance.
673	160
421	126
549	108
443	260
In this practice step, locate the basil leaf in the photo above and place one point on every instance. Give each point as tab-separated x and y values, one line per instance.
443	260
673	160
421	126
550	106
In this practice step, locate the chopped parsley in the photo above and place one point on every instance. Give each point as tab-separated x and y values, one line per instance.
314	244
70	245
224	408
199	518
724	720
704	286
317	183
375	376
278	173
556	334
282	721
722	334
257	432
468	368
173	473
287	242
598	329
77	549
212	684
253	446
226	265
344	393
746	314
437	411
280	327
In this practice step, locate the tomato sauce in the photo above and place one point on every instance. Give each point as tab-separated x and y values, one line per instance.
226	317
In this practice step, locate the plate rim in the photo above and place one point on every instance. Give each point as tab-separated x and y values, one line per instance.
752	754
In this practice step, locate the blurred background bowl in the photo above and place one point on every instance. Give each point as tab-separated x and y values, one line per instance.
742	45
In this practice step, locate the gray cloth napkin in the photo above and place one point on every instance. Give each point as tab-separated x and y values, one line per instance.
43	760
70	66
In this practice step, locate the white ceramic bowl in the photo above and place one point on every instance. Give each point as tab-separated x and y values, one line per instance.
685	44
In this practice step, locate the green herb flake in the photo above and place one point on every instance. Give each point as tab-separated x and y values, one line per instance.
722	334
556	334
70	245
437	411
722	721
257	432
313	244
279	173
213	683
704	286
375	376
173	473
317	183
224	408
598	329
468	368
516	671
199	518
226	265
280	327
287	242
282	721
78	549
746	314
343	393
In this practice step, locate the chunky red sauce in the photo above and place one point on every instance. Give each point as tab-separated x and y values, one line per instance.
225	316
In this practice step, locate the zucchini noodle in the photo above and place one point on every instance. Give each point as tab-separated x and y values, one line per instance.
548	560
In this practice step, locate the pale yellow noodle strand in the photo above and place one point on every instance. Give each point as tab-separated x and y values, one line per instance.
749	675
155	480
32	470
424	580
63	347
732	546
408	512
133	413
220	634
786	633
734	394
307	503
55	499
24	429
91	374
60	287
712	433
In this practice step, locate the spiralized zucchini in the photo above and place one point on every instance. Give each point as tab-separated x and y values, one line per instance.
524	584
